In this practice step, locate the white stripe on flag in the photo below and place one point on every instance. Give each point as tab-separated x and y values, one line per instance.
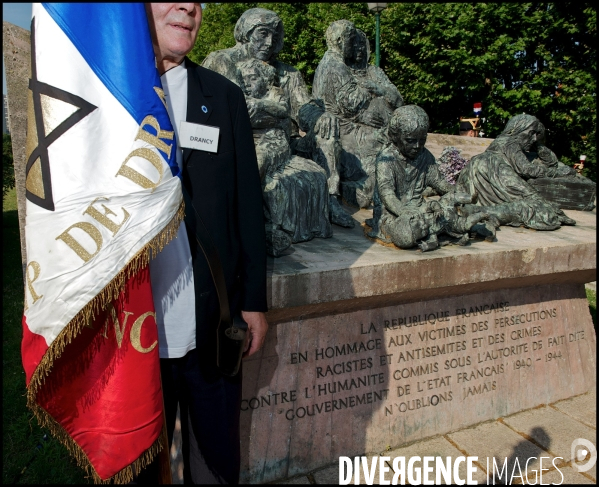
84	163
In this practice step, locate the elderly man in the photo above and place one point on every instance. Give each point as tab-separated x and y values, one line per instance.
224	188
359	103
259	34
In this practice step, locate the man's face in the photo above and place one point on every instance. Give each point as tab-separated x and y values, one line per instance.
412	143
262	42
174	28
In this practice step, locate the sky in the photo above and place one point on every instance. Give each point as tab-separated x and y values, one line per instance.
18	14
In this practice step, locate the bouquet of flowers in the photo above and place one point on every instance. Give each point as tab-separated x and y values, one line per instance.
451	163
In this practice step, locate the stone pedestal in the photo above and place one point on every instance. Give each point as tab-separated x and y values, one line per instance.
372	347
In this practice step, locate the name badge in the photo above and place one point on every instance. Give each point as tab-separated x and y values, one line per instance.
200	137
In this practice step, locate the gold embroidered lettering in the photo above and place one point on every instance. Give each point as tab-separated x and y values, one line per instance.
35	267
155	139
103	219
93	233
136	334
161	95
146	153
136	176
119	330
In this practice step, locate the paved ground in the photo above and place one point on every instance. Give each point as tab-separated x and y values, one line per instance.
546	431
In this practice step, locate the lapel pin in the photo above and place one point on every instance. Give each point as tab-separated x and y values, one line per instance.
204	109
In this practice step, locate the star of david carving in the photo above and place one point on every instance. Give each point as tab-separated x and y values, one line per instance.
52	112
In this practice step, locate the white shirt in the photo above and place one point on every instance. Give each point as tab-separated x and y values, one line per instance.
171	270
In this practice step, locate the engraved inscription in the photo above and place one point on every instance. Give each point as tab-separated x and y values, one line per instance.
410	359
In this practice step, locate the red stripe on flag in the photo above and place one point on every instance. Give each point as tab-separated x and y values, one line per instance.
104	389
33	348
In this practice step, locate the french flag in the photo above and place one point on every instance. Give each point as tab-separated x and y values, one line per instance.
103	197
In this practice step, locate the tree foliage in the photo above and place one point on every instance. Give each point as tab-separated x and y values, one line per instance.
538	58
8	171
304	23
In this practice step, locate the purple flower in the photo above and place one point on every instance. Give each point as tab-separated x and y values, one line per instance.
451	163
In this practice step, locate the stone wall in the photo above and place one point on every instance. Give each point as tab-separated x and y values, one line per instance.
470	146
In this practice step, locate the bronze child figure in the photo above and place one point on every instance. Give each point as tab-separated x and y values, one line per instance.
404	169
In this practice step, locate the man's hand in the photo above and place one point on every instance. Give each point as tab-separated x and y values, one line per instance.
327	126
257	328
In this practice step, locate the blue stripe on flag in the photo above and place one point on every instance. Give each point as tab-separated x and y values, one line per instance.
114	39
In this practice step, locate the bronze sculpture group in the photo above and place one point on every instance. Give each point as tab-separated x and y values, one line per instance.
404	169
302	195
353	136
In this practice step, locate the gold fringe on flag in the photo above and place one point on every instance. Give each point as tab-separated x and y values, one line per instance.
110	292
123	477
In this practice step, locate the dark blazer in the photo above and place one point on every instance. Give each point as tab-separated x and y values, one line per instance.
226	191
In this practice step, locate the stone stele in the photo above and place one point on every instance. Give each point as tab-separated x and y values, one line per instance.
16	48
371	348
